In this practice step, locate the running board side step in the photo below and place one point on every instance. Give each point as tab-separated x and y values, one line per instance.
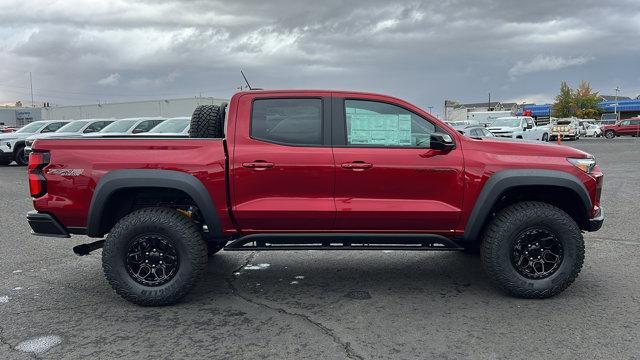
270	242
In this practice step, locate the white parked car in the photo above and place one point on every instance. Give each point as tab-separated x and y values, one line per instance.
518	127
129	126
593	130
12	145
171	126
75	128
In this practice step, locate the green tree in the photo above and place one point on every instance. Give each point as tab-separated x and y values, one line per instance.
586	102
564	105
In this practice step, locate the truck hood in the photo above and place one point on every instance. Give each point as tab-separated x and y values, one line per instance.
528	147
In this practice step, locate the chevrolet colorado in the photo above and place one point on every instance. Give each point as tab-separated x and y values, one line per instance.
327	170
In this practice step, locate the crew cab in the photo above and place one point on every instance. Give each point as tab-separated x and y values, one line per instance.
518	127
315	170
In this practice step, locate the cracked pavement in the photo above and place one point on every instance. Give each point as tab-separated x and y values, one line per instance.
329	305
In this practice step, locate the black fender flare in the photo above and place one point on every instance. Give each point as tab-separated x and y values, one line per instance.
122	179
504	180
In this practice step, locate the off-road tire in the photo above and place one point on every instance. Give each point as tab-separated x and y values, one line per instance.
19	156
207	121
215	246
609	134
180	231
501	234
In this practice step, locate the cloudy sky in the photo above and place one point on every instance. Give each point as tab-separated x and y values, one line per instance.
83	51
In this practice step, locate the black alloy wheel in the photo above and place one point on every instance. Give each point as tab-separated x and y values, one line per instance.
537	253
152	260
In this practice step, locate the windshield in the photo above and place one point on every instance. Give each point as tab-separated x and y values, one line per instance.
31	128
119	126
171	126
73	126
506	122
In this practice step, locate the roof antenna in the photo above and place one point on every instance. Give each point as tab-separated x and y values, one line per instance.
247	81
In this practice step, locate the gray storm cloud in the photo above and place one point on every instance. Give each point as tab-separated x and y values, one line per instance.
425	52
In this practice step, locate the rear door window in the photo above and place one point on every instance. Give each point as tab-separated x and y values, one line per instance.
146	126
53	127
287	121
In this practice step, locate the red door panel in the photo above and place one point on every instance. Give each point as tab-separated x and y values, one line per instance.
280	187
401	190
387	178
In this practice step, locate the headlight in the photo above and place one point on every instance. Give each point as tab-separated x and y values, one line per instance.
585	165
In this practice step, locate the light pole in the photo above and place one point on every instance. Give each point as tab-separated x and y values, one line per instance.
430	107
615	109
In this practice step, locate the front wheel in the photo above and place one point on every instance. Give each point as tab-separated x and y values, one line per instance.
154	256
533	250
609	134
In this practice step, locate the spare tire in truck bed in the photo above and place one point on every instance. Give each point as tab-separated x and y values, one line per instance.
207	121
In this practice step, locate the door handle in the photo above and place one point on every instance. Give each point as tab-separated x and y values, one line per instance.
357	166
258	164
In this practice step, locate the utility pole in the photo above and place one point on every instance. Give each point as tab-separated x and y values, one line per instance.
489	103
31	85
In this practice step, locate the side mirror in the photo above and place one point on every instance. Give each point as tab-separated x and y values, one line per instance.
441	141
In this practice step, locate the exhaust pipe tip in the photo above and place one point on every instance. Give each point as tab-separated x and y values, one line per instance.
86	249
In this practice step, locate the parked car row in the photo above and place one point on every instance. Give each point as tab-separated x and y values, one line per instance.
512	127
16	146
524	127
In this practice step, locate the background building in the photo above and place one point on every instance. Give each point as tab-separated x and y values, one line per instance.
455	111
19	116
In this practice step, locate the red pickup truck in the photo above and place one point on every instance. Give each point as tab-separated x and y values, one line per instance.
327	170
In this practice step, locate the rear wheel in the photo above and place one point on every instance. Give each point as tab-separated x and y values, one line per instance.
21	157
154	256
533	250
609	134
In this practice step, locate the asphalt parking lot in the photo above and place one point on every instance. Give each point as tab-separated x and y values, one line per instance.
327	305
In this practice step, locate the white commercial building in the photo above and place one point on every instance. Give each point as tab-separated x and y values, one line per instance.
163	108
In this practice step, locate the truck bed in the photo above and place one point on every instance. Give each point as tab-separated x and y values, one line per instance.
76	166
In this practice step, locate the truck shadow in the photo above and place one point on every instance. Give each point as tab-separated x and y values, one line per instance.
315	278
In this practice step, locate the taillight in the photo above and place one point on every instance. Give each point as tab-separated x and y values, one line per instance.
37	181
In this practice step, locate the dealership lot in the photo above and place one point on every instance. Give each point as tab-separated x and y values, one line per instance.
331	305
